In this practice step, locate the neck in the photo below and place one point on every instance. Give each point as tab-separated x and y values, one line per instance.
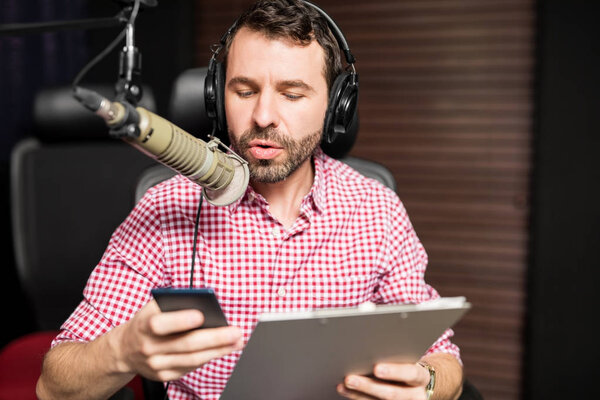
285	197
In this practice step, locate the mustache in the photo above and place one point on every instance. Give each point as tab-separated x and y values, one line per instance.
268	133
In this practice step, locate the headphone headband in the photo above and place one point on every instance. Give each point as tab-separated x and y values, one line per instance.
337	33
335	30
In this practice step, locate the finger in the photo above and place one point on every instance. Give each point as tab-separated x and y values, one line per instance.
187	362
383	390
168	323
167	367
351	394
198	340
408	374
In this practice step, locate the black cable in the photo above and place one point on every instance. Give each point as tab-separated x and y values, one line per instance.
109	48
134	12
98	58
196	226
43	27
166	391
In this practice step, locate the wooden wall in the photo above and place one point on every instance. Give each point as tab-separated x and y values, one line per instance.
446	104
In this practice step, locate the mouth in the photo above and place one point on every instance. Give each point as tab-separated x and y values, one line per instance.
265	144
264	149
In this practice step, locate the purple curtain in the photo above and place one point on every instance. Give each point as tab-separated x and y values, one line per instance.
27	64
30	62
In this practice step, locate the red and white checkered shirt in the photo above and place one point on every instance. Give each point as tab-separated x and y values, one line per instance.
353	242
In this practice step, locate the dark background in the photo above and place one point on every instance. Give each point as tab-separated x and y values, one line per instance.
565	230
559	344
34	61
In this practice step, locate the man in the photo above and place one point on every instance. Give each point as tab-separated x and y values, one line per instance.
309	233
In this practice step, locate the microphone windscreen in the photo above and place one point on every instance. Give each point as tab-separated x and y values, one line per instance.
235	189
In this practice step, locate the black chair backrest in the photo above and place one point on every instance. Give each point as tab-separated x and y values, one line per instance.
71	185
158	173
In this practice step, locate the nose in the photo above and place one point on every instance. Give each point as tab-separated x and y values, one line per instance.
265	110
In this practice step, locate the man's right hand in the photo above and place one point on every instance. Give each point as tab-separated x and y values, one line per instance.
164	346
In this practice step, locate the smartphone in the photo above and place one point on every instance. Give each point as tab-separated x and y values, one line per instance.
205	300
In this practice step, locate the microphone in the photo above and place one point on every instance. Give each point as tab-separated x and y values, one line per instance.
223	176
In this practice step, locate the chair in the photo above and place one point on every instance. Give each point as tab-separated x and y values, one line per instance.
158	173
71	185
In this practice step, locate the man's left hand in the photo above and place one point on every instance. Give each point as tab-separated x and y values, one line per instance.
391	381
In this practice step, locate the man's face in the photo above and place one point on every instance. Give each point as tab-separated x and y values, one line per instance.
275	100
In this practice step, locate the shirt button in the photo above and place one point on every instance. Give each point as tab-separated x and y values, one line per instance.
276	232
281	292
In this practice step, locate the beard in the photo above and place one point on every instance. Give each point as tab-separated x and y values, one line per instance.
271	171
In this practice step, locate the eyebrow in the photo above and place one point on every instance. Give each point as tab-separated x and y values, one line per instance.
242	80
296	84
285	83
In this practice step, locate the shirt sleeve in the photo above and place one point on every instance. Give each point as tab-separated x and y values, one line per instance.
120	284
405	263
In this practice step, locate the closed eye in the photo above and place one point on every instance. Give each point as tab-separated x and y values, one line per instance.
245	93
292	96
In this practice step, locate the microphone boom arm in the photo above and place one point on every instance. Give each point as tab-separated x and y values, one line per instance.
41	27
223	176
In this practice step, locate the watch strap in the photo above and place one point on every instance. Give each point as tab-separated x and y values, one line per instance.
431	385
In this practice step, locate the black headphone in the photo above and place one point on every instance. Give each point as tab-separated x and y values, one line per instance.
341	117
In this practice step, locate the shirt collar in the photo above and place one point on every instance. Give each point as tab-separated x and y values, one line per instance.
247	197
316	193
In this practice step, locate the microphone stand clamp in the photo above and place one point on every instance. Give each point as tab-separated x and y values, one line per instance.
127	125
128	87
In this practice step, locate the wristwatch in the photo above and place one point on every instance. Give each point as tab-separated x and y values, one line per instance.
431	385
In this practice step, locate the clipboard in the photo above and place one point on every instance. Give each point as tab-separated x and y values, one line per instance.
305	355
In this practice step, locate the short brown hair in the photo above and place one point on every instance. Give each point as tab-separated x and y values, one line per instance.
295	20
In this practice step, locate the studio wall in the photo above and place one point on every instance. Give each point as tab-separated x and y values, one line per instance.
446	103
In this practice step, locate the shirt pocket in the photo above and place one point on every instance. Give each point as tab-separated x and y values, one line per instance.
337	289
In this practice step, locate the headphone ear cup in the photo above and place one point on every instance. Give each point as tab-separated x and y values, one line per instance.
209	90
214	98
220	102
340	117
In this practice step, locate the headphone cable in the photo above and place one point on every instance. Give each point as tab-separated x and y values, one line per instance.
196	226
192	267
